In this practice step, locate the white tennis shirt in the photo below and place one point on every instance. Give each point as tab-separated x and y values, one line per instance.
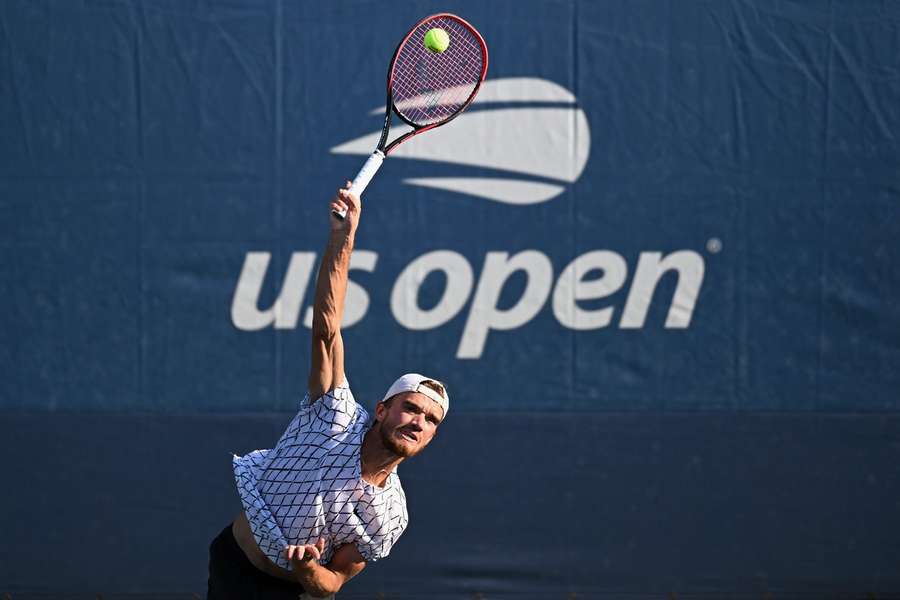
310	485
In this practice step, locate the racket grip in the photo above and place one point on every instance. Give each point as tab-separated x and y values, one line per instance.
363	178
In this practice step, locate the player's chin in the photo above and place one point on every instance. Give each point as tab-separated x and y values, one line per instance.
405	446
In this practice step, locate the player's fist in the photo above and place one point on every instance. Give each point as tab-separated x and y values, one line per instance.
347	203
303	555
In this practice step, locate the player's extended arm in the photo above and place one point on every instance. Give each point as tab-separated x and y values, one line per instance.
326	371
322	580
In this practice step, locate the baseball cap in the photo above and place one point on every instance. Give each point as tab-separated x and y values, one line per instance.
412	382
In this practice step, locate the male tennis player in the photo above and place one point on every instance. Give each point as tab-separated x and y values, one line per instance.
327	499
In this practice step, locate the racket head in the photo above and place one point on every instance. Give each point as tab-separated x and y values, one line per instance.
427	89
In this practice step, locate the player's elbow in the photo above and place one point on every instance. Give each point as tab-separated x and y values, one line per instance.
325	329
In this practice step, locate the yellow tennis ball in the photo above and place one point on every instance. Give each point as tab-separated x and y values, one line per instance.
437	40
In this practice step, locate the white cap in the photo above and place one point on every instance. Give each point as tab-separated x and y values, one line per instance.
412	382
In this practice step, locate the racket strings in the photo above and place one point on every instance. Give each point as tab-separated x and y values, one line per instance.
429	87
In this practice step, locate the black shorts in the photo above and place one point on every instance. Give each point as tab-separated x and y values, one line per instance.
233	576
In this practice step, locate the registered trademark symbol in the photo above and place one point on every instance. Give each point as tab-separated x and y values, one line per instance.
714	245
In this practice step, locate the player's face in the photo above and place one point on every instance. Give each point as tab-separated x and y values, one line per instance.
409	423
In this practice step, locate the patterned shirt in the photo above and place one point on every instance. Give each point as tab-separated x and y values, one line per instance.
310	485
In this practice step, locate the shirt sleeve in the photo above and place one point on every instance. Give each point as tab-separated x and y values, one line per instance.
380	534
378	547
334	412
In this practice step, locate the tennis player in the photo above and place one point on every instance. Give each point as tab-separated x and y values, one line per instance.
326	500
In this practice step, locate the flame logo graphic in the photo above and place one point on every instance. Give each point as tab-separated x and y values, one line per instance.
528	132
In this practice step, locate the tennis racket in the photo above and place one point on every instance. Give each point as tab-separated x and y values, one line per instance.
427	89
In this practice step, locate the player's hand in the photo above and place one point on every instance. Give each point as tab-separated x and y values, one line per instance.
344	200
303	556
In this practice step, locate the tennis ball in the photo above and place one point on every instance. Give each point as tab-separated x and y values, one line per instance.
437	40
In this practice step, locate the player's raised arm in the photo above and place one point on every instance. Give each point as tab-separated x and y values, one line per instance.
327	366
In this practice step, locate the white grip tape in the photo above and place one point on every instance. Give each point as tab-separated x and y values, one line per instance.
365	175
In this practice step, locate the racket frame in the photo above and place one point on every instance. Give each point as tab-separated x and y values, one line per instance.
361	181
392	107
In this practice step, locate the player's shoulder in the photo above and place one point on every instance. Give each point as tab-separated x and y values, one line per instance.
337	407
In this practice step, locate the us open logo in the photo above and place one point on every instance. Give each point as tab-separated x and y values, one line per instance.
530	163
530	131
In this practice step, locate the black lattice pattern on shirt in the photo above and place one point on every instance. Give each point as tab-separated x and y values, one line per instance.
310	485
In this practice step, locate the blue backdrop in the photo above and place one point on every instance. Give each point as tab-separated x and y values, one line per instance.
655	263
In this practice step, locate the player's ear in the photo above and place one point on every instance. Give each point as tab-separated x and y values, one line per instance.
380	409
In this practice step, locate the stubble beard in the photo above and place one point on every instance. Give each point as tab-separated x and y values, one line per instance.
391	444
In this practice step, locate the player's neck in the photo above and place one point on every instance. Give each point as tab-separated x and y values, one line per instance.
376	461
